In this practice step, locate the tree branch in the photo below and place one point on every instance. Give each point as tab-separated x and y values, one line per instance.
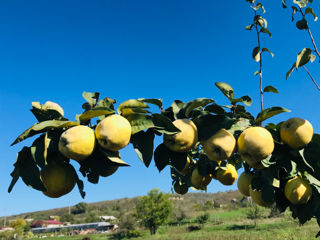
313	80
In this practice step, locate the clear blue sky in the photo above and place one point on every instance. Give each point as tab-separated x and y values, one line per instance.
55	50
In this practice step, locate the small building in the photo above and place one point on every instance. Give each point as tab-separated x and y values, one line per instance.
3	229
108	218
46	224
97	226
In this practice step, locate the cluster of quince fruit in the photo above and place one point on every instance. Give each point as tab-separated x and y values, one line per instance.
78	143
253	145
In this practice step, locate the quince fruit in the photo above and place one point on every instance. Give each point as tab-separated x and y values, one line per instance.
254	145
219	146
227	176
297	190
244	182
58	178
113	132
77	142
296	132
184	140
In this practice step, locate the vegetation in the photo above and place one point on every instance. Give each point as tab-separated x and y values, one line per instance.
153	210
202	140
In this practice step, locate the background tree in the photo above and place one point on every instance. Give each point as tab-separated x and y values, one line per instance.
153	210
80	208
254	212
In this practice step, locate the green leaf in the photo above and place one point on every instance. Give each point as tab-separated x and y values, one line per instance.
244	99
240	125
163	124
95	112
256	54
177	106
312	58
302	24
270	112
155	101
301	3
178	160
42	113
91	98
309	10
256	73
267	50
209	124
132	103
27	169
214	108
249	27
303	57
259	6
284	4
161	157
294	10
226	89
270	89
259	20
311	155
38	150
43	127
106	103
290	71
143	145
139	122
80	185
265	30
114	157
199	102
15	177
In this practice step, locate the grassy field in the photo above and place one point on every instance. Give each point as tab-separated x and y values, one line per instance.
226	225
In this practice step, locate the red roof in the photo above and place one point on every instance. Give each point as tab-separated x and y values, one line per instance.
47	222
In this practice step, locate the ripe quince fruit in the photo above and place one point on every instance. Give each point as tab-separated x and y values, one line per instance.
296	132
77	142
297	190
184	140
244	182
113	132
58	178
256	196
254	145
219	146
199	181
227	176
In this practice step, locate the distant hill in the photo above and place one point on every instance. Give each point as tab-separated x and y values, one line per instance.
116	207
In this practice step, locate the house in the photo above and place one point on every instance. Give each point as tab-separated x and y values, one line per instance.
46	223
3	229
93	227
107	218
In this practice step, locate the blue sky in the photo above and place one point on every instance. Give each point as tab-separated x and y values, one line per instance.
55	50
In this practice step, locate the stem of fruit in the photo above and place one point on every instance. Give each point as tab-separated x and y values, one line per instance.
313	80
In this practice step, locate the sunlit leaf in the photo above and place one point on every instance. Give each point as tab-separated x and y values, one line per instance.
303	57
43	127
270	89
226	89
270	112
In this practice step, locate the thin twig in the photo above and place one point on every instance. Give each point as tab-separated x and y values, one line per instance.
313	80
311	36
260	63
